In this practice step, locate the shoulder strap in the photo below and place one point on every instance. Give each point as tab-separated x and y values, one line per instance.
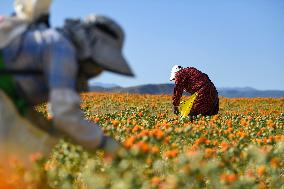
8	71
20	72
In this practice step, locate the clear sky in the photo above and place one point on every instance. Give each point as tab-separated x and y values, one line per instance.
238	43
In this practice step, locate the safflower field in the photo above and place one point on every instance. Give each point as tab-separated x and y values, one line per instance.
241	147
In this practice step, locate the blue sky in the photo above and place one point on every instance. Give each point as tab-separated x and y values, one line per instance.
238	43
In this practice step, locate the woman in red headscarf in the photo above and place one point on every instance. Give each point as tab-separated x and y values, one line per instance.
192	80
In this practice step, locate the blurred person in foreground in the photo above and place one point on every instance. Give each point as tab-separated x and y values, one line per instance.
41	64
193	81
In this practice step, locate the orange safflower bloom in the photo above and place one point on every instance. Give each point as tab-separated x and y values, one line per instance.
215	142
261	170
215	117
128	143
207	142
167	140
143	146
229	178
155	149
115	123
174	145
241	134
259	141
155	181
230	130
231	136
171	153
201	140
134	122
135	128
244	122
192	152
224	146
274	162
166	125
229	123
209	152
270	123
159	134
143	133
97	119
175	122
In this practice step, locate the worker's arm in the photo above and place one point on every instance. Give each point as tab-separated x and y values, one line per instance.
68	118
178	90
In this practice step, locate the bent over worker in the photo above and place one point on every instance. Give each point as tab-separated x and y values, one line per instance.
192	80
40	64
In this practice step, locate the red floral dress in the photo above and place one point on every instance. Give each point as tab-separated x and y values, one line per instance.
192	80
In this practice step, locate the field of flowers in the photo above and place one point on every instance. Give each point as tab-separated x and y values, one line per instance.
241	147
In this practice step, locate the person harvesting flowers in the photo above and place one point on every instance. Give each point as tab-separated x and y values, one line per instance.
205	99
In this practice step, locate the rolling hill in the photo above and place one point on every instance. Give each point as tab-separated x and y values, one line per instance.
168	89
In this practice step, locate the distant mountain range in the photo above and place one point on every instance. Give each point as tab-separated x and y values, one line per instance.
168	89
103	85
